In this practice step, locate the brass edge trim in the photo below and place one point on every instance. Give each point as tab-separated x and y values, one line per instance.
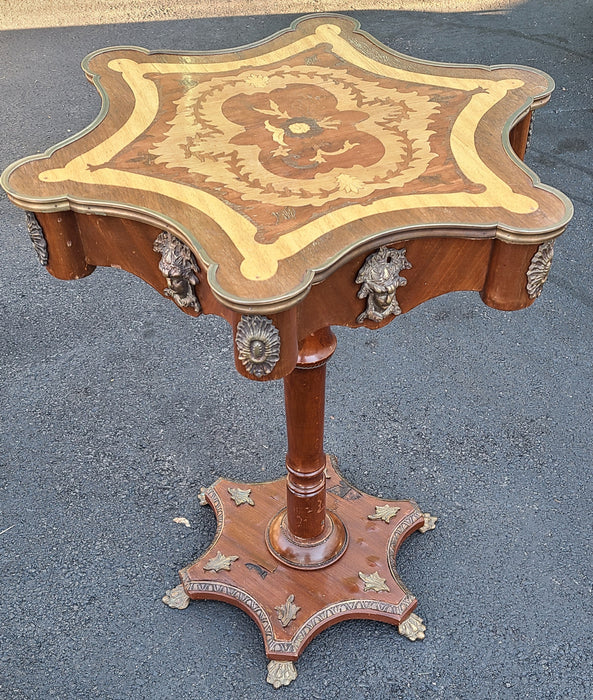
373	40
273	305
402	530
245	601
95	79
65	142
535	179
216	503
292	646
342	608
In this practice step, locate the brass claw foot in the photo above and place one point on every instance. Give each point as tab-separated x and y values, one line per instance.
429	522
176	598
412	627
281	673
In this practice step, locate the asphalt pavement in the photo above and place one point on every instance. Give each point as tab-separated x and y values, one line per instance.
116	407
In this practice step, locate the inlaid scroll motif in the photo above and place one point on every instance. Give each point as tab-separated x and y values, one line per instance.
258	343
37	237
379	277
180	269
539	269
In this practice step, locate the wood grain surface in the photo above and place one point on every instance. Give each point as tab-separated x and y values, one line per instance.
259	584
276	162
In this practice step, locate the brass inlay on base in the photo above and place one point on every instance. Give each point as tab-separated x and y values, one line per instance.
384	513
241	496
373	582
290	611
220	562
287	612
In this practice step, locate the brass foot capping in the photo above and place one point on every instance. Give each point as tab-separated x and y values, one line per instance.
176	598
429	522
412	627
281	673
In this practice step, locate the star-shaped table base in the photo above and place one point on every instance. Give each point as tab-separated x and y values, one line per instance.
291	605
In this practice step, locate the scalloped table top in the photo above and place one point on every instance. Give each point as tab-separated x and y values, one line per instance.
275	161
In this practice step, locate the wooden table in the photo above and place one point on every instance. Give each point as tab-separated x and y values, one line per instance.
314	179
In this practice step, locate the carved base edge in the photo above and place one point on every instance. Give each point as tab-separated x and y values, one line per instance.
290	650
408	525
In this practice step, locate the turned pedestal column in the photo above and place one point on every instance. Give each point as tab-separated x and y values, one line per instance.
305	535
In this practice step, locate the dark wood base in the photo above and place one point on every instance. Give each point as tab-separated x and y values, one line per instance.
291	605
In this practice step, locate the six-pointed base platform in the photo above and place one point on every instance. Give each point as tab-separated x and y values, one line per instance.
292	605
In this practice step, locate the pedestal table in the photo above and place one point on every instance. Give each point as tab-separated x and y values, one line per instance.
316	178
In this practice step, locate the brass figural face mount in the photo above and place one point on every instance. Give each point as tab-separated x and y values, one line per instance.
379	277
180	269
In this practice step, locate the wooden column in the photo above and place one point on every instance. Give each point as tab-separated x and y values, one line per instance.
304	534
304	399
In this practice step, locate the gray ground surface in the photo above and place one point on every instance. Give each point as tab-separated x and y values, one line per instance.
116	408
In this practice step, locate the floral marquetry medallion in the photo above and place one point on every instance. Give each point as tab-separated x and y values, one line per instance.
274	161
309	137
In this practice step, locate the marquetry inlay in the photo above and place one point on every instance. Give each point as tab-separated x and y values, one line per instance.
273	148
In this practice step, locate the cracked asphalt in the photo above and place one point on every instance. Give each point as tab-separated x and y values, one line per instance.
116	408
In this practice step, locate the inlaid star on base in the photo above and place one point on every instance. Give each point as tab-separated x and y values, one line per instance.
373	582
220	562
